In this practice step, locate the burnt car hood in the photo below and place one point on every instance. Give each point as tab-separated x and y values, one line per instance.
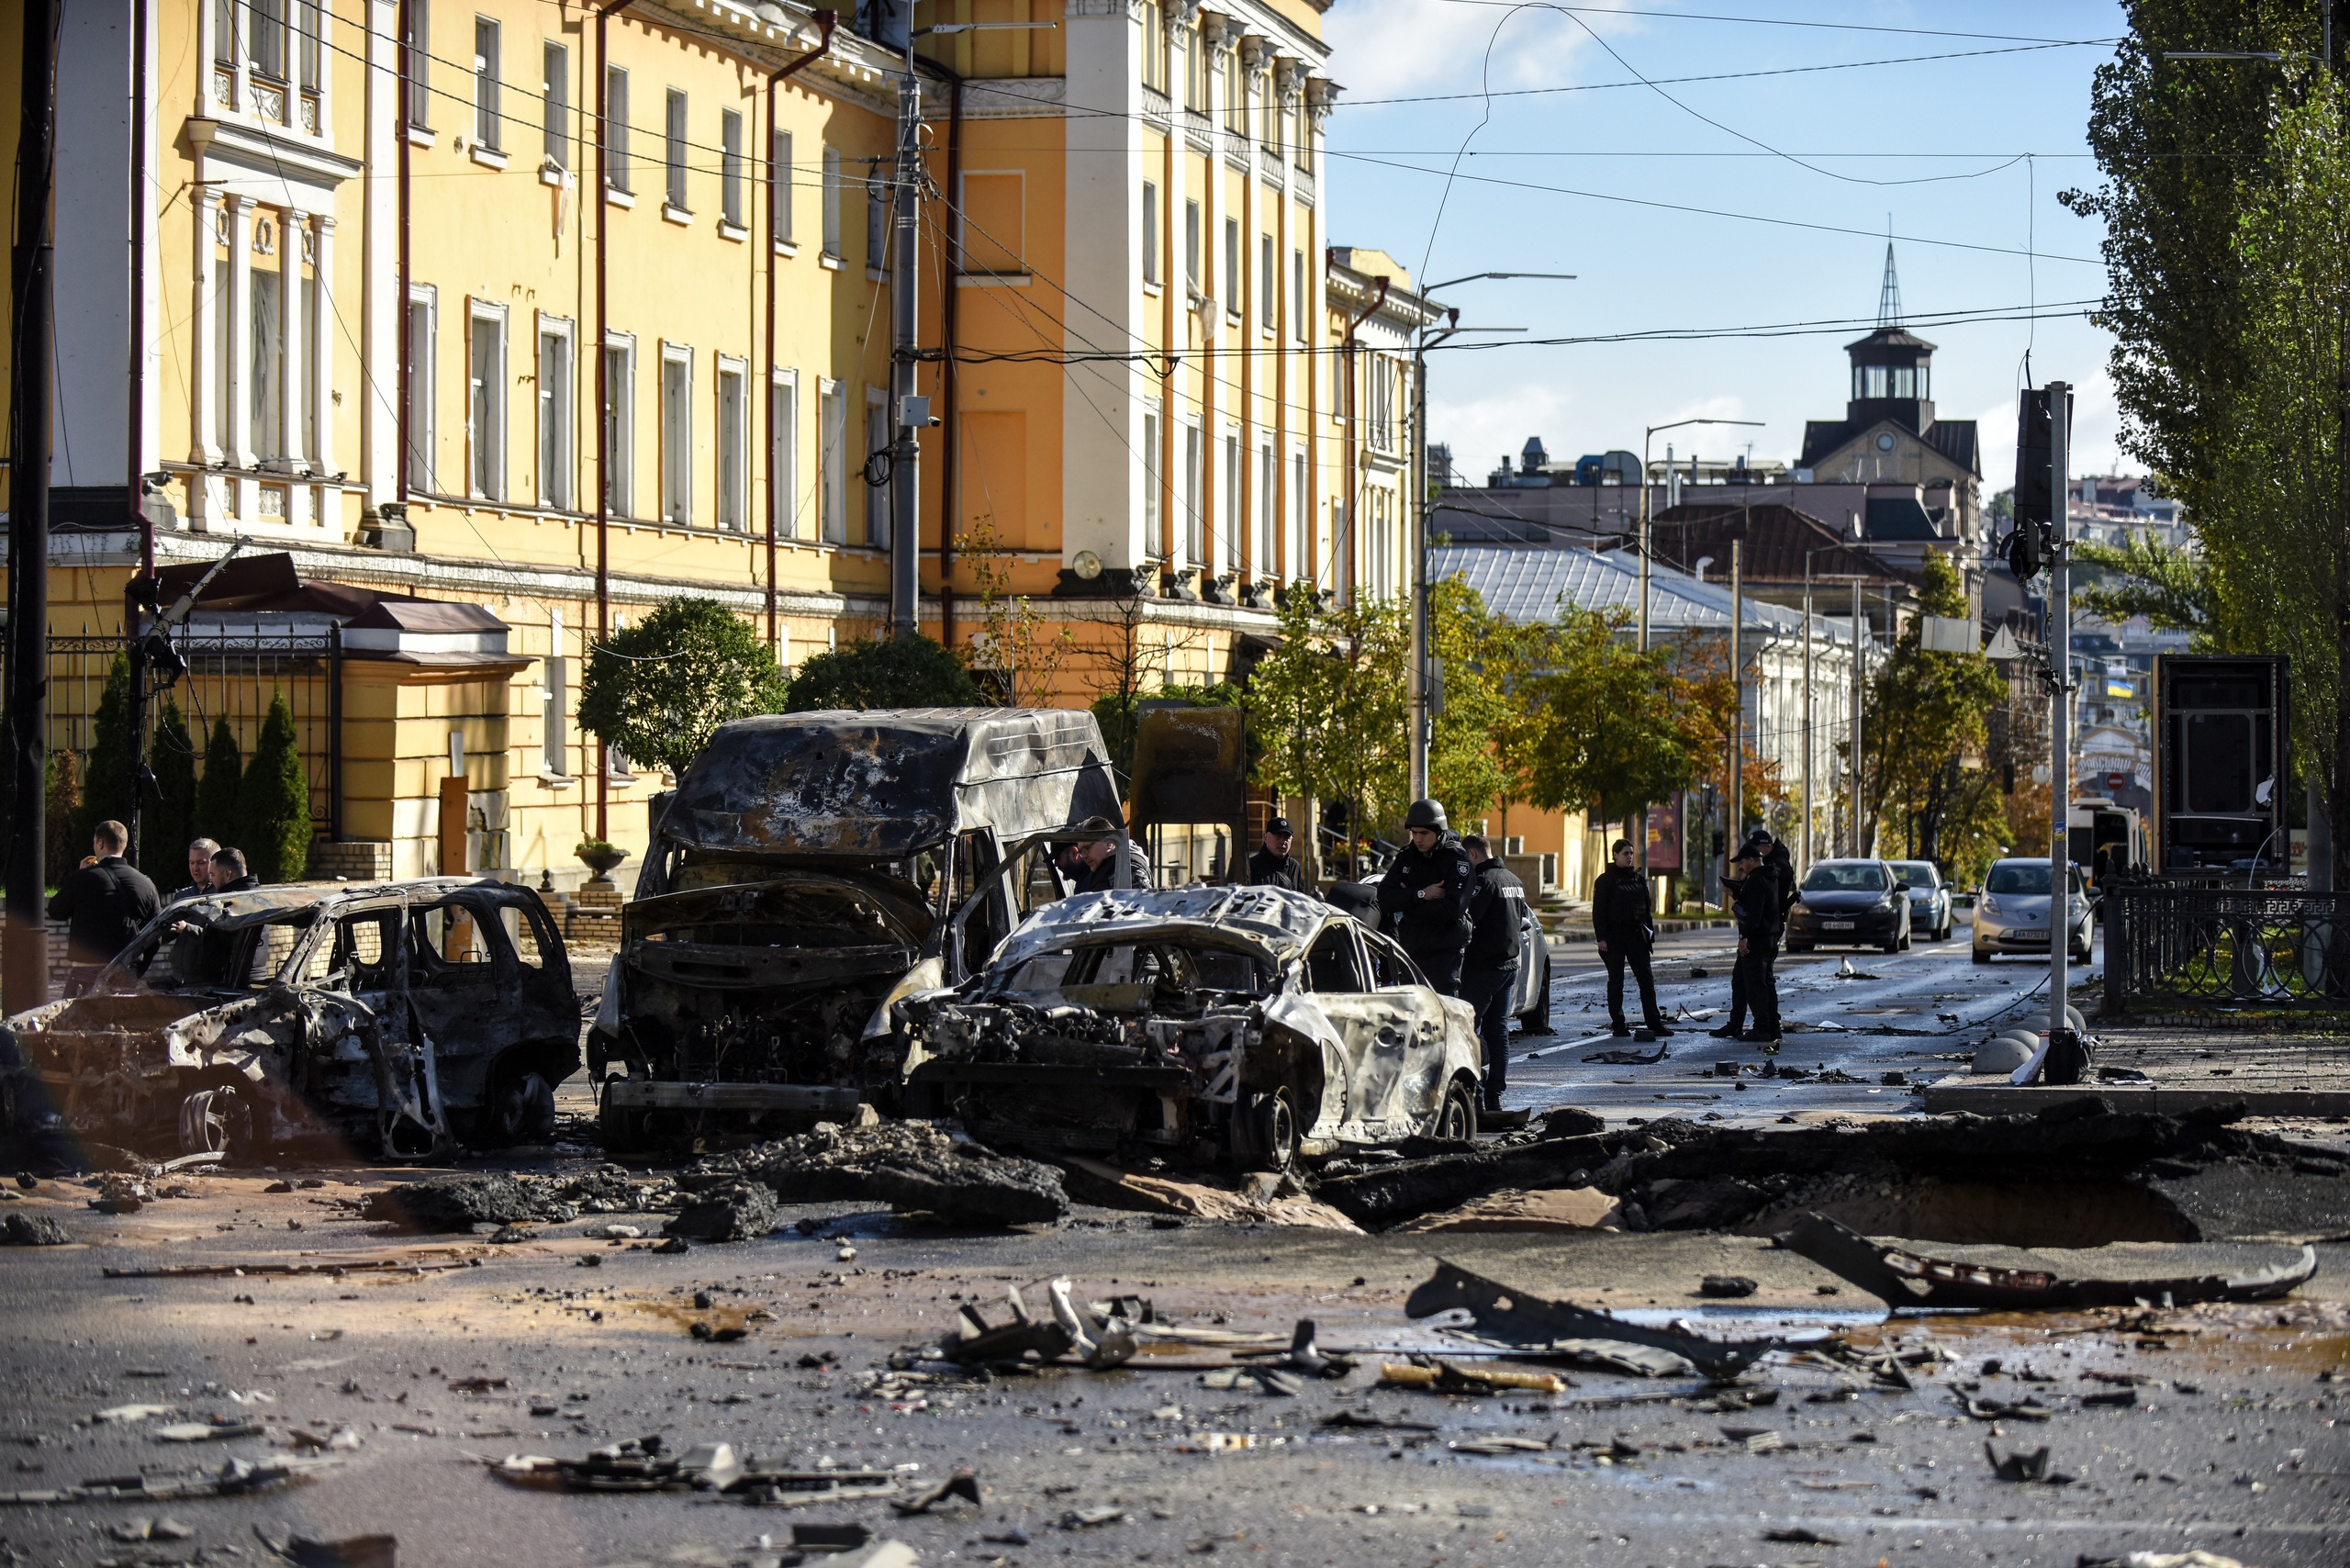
713	936
1272	922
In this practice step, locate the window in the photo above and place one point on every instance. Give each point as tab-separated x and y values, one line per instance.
676	436
1299	515
420	390
780	187
1195	71
556	405
555	69
832	202
1298	315
1231	282
1235	94
832	460
1268	280
264	391
223	31
1149	232
616	175
1905	381
1191	245
309	26
1228	522
555	743
876	497
1268	480
990	224
1152	544
734	448
485	403
620	426
729	167
1154	46
673	149
1194	494
266	38
876	218
783	454
1302	135
420	59
486	116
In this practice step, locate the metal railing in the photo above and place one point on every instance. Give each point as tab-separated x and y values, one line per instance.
2272	947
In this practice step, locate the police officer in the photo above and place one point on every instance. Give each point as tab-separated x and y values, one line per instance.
1773	864
1489	964
1761	918
1274	866
1625	923
1423	897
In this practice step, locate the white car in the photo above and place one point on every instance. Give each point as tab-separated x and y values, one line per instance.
2012	914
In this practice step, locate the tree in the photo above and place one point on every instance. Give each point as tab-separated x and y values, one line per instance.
1922	711
887	672
657	688
1328	707
170	820
215	793
1482	659
274	800
62	844
1619	729
2142	576
110	775
1013	644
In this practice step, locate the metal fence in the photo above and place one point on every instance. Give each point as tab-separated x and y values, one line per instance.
2278	946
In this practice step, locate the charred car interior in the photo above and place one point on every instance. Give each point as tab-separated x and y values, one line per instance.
1252	1025
405	1017
809	869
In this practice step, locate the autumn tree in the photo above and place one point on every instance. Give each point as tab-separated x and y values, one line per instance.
1922	711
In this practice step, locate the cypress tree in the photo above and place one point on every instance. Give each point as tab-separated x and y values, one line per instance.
215	795
274	802
171	821
108	772
61	847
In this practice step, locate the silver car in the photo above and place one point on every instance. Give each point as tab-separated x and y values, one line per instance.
1929	899
2012	914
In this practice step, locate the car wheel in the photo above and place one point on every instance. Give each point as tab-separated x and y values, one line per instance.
1893	944
1981	956
1264	1133
1456	1119
1536	1019
216	1121
1799	947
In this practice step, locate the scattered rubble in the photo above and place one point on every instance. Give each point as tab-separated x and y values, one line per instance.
33	1230
461	1201
644	1464
1557	1208
2025	1467
730	1211
235	1479
915	1165
1529	1323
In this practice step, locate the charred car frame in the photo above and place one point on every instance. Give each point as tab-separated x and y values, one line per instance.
407	1016
1249	1022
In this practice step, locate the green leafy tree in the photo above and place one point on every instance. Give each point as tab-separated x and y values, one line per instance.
1328	707
1922	711
1619	729
63	842
274	800
1482	657
109	781
658	687
885	672
215	793
2170	587
170	819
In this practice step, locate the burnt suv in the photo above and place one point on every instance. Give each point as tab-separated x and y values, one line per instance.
401	1016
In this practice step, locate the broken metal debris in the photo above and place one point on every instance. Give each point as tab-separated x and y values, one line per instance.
1530	1323
1906	1278
237	1478
1440	1376
645	1465
962	1487
2024	1467
912	1165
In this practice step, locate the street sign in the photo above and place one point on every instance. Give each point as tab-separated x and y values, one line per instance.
2117	781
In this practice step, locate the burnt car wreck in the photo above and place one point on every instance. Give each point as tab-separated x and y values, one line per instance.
404	1016
808	871
1251	1024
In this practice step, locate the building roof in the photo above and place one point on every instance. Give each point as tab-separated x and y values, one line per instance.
1890	338
1777	538
1532	585
1898	517
1954	439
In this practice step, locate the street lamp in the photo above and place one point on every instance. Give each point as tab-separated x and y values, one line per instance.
1416	677
1649	433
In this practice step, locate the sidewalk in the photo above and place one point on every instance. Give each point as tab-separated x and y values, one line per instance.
2171	1066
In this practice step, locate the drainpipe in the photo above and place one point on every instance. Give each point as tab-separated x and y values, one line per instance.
949	379
825	22
603	373
1346	354
406	368
135	464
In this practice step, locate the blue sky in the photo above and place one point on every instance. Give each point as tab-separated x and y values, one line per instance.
1973	151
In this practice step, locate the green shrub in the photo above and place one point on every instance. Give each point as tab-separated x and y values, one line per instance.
215	793
273	802
889	672
170	820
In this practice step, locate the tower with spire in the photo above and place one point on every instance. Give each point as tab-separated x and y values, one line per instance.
1888	294
1892	367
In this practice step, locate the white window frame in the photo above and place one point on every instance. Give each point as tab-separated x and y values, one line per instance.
554	728
1300	517
677	416
780	187
417	64
1150	233
1194	493
620	415
485	447
1154	423
555	69
783	451
558	423
488	123
730	169
832	202
1298	318
832	460
1191	243
1269	280
615	128
676	122
422	371
878	513
1268	517
733	443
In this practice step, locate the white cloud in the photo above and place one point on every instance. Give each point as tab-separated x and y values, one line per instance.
1385	49
2097	430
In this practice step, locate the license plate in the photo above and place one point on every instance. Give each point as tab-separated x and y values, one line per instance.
1836	925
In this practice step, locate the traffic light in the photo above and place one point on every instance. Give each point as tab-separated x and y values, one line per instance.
2036	489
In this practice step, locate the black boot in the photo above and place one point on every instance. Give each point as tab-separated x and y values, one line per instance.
1659	1027
1620	1029
1727	1032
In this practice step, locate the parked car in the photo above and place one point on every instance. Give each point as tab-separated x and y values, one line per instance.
2012	914
1255	1024
1854	903
1930	903
405	1017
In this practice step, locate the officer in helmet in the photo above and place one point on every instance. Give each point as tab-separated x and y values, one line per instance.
1423	897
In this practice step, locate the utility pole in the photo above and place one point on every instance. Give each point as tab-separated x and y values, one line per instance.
908	410
1860	687
2060	662
23	940
1738	683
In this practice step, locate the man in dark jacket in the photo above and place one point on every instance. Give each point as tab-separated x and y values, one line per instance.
1624	920
1423	897
1274	866
199	870
1761	918
1489	964
1777	865
105	902
1100	857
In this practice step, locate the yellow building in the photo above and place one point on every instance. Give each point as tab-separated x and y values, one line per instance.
487	328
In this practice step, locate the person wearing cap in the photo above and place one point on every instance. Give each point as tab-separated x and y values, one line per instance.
1274	866
1761	918
1489	964
1099	858
1776	865
1423	897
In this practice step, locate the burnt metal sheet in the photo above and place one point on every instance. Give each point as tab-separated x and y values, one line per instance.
886	783
1191	766
1906	1278
1531	1323
1275	919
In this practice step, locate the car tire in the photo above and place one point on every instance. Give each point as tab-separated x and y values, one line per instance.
1799	947
1536	1019
216	1121
1981	956
1892	943
1265	1132
1456	1118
